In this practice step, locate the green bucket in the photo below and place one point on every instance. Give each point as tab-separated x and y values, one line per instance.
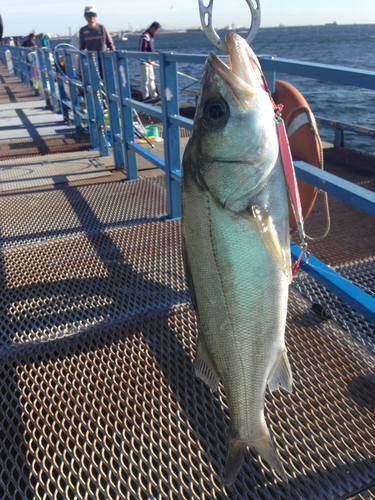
152	131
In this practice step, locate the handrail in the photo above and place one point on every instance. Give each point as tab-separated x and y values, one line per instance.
54	85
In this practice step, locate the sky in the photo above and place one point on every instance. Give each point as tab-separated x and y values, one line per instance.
56	17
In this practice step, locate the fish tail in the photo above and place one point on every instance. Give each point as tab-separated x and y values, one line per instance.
236	455
266	450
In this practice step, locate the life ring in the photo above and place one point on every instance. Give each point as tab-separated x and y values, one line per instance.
303	143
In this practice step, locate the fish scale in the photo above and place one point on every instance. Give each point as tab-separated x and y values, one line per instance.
236	250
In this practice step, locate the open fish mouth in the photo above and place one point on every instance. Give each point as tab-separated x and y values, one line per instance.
244	75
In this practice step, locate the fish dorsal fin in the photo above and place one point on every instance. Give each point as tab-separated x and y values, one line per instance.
203	366
269	236
281	375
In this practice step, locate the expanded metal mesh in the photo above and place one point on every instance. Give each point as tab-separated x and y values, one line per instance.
98	394
361	274
117	413
61	287
41	217
351	237
44	146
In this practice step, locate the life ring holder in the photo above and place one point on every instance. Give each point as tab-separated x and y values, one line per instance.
305	145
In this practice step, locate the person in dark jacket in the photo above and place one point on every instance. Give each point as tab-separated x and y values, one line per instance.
30	42
146	66
95	36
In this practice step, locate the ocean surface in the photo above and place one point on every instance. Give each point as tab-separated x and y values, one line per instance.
352	46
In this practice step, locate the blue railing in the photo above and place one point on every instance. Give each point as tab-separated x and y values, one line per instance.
125	149
31	65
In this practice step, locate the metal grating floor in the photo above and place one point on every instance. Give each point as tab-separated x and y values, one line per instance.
117	413
52	169
30	120
361	274
98	394
36	218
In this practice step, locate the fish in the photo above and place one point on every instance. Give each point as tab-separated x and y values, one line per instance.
236	247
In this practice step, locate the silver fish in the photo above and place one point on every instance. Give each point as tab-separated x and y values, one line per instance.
236	247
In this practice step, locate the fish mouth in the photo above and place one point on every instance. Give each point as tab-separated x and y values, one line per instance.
243	76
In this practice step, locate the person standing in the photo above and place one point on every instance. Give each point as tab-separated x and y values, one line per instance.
95	36
30	42
146	66
45	41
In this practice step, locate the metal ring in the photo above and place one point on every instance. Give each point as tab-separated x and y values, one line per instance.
210	32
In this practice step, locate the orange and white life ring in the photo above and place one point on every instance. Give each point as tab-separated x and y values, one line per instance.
303	143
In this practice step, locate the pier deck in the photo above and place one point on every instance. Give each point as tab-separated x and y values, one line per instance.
98	393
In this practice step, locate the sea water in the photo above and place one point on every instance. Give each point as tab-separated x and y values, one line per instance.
351	46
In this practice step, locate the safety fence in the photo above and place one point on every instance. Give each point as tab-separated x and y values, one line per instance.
125	149
64	87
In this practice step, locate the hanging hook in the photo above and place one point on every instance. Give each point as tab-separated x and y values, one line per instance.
209	29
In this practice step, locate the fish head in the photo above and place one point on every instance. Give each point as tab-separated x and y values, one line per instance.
234	135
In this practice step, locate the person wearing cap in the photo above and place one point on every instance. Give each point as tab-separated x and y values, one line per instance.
146	66
30	42
95	36
11	42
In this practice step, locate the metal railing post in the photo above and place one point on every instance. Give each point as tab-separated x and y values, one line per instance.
339	139
43	71
64	107
16	52
127	126
73	92
55	101
89	99
114	105
271	79
171	134
98	103
23	67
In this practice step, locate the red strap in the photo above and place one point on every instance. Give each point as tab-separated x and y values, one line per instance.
289	170
297	263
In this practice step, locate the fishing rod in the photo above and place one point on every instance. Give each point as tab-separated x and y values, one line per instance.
178	72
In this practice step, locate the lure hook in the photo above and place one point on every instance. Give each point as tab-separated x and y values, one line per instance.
210	31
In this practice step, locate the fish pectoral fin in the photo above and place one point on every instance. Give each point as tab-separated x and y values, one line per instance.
270	239
204	368
282	374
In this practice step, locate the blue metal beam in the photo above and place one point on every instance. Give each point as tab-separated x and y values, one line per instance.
146	108
180	121
345	126
337	284
345	190
151	157
337	74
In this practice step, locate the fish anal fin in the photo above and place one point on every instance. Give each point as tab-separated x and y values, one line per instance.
204	368
282	374
270	239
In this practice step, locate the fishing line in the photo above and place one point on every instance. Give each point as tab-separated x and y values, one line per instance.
337	275
75	82
325	194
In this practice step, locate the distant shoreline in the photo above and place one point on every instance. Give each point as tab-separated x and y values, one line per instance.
198	30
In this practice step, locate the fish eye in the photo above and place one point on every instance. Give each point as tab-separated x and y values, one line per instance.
216	112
